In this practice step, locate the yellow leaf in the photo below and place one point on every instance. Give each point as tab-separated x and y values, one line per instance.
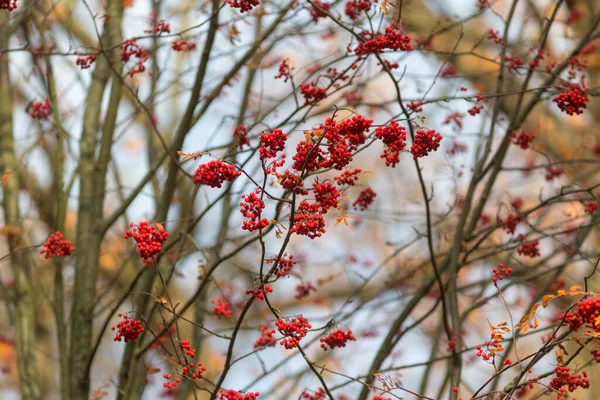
6	177
160	226
597	321
574	288
546	300
161	299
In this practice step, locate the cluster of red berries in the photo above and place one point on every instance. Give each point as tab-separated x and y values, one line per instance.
455	118
243	5
285	69
448	71
364	199
514	63
149	239
186	346
183	45
312	94
128	329
596	354
337	338
572	99
318	395
553	172
317	13
348	177
170	385
251	208
586	314
415	106
286	262
40	109
85	62
500	273
221	308
510	223
130	48
293	331
271	143
231	394
197	374
393	39
308	221
303	290
326	195
476	109
161	27
308	156
260	293
393	137
214	173
291	181
266	338
355	7
529	249
241	133
495	36
55	246
562	377
425	142
590	207
522	138
456	148
381	398
8	5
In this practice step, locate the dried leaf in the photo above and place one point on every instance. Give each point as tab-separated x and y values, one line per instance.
153	371
161	299
160	226
189	156
546	300
128	3
6	177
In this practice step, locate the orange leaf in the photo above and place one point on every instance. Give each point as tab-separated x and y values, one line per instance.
546	300
153	371
161	299
189	156
160	226
128	3
6	177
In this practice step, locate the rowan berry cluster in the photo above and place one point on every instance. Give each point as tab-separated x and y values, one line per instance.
312	94
456	119
183	45
55	246
510	223
562	377
456	148
308	156
586	314
425	142
348	177
365	199
528	249
230	394
326	195
514	63
197	374
221	308
149	239
241	133
476	109
170	385
317	13
293	330
381	398
8	5
590	207
495	36
40	109
251	208
522	138
415	106
85	62
214	173
130	48
285	69
337	338
500	273
303	290
318	395
355	7
271	143
393	39
286	262
161	27
260	293
291	181
572	99
187	348
553	172
128	329
266	338
243	5
393	137
308	221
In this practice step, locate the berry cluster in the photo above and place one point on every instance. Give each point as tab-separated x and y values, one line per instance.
522	139
251	208
308	156
303	290
355	7
128	329
190	369
8	5
291	181
286	262
312	94
495	36
266	338
590	207
510	223
415	106
364	199
318	395
231	394
149	239
260	293
476	109
40	109
393	39
56	247
243	5
514	63
425	142
214	173
572	99
393	137
381	398
348	177
455	118
562	377
130	48
586	314
241	133
317	13
271	143
553	172
293	331
85	62
529	249
500	273
170	385
187	348
326	195
285	70
456	148
308	221
221	308
183	45
337	338
161	27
